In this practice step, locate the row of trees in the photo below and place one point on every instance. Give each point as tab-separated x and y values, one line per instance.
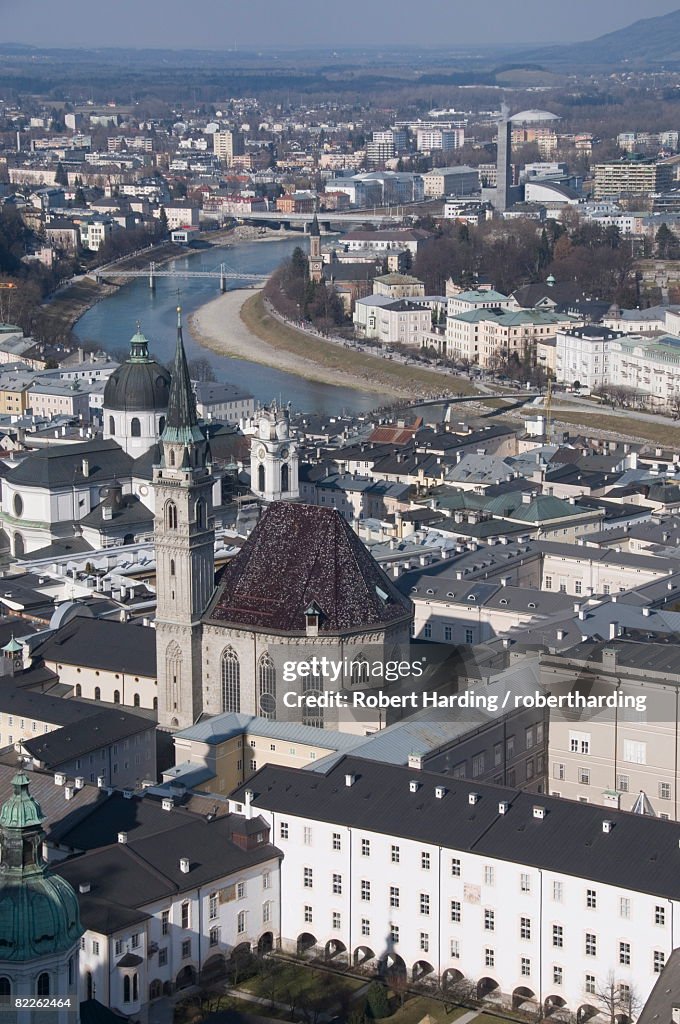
296	297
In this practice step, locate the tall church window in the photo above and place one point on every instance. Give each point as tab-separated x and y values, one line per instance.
260	478
172	456
161	425
135	427
43	986
312	716
231	681
359	671
172	566
173	674
284	477
200	515
112	426
126	988
171	515
266	687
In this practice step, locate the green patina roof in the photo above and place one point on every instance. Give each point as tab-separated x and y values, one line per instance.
39	913
12	646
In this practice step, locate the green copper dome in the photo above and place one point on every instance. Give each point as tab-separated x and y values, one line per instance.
39	913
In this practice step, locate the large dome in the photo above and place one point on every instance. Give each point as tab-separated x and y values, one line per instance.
140	384
39	913
532	116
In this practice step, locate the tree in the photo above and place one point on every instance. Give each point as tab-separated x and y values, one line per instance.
60	175
614	998
163	223
666	244
377	1003
200	369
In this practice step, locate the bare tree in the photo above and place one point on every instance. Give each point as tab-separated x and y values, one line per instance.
615	998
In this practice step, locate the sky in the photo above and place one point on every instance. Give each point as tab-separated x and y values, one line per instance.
223	24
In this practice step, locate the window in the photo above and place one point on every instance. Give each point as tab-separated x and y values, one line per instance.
624	953
427	630
366	891
525	966
307	878
43	985
186	949
591	899
624	907
134	942
497	754
557	891
214	936
469	636
590	984
591	944
658	961
307	835
448	633
394	933
95	948
394	896
489	921
266	880
454	949
659	915
510	748
558	936
578	587
664	790
165	922
424	903
395	855
525	927
118	947
230	681
336	919
337	885
548	582
240	890
213	903
477	765
455	910
489	958
634	752
163	956
559	772
455	866
171	515
489	875
584	776
184	912
524	882
266	912
623	783
241	922
529	737
424	942
283	830
365	847
266	684
558	976
337	843
425	861
579	742
365	926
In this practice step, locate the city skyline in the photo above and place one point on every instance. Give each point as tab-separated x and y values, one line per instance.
224	25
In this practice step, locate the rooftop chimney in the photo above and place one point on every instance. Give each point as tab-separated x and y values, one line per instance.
122	838
184	865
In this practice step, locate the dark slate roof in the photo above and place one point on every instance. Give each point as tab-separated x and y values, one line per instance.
639	853
139	816
131	511
57	549
138	387
101	728
62	465
182	421
55	807
41	707
127	876
103	644
665	996
314	556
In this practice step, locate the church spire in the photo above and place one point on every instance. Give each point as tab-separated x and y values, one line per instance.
181	424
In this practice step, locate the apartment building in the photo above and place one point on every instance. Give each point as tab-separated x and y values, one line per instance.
228	144
446	139
535	901
489	336
631	178
451	181
583	354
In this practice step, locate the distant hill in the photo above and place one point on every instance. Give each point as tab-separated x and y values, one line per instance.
650	40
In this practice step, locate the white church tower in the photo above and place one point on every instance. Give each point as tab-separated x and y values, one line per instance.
274	458
184	532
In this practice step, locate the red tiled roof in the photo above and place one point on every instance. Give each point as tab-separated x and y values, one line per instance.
299	554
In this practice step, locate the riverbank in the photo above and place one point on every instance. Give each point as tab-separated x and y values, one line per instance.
237	324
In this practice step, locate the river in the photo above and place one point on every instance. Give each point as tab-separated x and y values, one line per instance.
112	322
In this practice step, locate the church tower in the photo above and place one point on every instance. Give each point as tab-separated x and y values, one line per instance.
184	533
315	260
274	458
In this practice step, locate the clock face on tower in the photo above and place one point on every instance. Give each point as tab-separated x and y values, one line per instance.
284	453
261	452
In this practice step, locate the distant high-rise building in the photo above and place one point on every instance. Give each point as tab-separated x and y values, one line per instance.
228	144
504	152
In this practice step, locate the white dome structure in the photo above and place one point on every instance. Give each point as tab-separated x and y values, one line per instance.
533	116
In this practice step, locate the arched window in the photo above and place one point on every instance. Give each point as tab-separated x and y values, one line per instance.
97	693
260	478
266	686
359	671
172	456
135	427
200	515
173	674
231	681
161	425
116	696
42	987
171	515
284	477
135	987
18	545
155	703
5	986
312	715
79	690
112	426
172	566
135	700
126	988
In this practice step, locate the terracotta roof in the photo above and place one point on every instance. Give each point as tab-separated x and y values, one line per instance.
299	554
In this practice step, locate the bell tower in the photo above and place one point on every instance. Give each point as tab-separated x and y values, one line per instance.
274	458
184	533
315	259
